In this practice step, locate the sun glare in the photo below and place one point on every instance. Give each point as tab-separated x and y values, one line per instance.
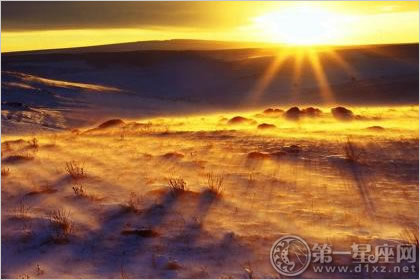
299	25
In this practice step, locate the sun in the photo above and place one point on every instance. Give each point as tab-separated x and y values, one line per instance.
299	25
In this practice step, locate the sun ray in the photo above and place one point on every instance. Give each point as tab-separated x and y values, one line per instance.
321	77
341	62
267	77
297	74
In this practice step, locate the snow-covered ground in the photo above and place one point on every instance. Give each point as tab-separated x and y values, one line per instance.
120	218
93	145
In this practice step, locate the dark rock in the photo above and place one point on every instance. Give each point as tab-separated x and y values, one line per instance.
111	123
278	154
75	131
342	113
173	265
266	126
271	111
258	155
312	112
241	120
143	232
293	113
292	149
376	128
17	158
17	105
173	155
237	119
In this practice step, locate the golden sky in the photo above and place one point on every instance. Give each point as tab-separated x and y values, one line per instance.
49	25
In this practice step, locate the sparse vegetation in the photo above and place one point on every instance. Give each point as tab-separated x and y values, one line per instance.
177	185
215	184
62	224
208	195
75	169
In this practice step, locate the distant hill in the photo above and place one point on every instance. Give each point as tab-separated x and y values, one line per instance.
73	87
217	78
175	44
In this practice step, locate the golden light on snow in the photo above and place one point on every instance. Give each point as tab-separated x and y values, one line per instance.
187	158
61	84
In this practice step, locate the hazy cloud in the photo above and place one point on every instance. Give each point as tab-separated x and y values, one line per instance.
26	15
17	16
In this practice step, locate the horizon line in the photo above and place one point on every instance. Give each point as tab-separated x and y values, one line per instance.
273	44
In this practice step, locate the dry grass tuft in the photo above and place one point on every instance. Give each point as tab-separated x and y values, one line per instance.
79	190
22	211
38	270
5	147
27	232
177	185
62	224
352	152
134	203
123	274
75	169
5	171
33	143
411	236
215	184
196	222
248	270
